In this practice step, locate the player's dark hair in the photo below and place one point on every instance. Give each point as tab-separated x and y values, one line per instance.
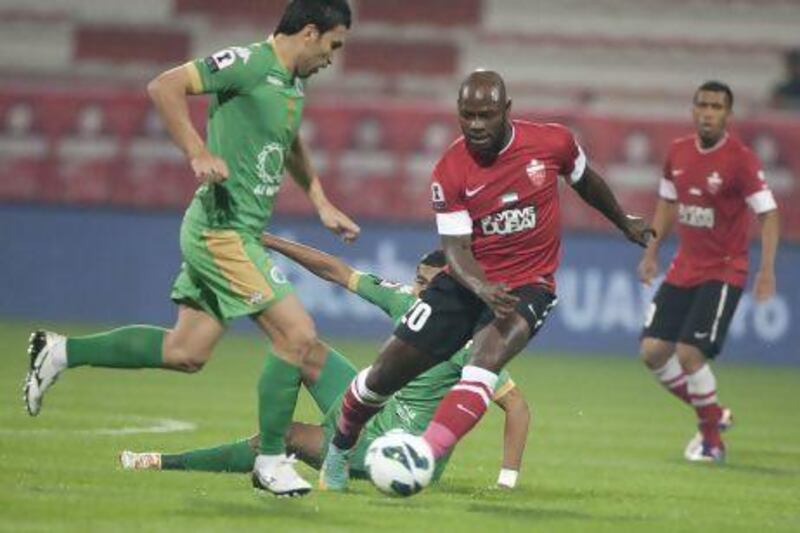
324	14
435	258
715	86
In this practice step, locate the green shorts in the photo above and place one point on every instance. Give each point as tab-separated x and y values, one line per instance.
385	421
226	273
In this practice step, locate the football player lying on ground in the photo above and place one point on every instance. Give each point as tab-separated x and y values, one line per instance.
411	408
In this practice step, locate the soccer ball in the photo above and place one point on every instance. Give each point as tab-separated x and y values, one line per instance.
399	464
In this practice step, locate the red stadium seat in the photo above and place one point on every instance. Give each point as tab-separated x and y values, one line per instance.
421	12
401	57
126	44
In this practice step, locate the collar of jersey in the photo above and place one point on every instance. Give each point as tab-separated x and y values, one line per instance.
510	141
279	67
720	144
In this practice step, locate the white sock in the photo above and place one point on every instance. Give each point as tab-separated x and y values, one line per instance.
671	374
481	375
702	386
363	393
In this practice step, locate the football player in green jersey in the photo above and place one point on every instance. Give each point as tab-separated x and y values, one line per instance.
410	409
257	102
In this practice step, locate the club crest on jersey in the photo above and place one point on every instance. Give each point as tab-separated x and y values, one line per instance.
714	182
437	196
537	172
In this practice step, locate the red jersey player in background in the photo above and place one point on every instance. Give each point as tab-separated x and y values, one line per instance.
495	193
710	180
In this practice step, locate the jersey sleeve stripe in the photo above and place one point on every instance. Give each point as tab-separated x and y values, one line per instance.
195	82
352	283
667	190
579	167
504	389
456	223
762	201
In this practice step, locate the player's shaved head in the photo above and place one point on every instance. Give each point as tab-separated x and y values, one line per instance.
482	112
486	86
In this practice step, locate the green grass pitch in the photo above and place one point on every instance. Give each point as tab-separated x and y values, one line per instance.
604	454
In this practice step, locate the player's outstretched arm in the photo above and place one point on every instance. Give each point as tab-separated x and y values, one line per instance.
323	265
764	285
596	192
515	435
663	220
299	166
168	91
464	267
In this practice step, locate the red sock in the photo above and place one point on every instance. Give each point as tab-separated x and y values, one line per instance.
702	387
709	416
357	409
458	412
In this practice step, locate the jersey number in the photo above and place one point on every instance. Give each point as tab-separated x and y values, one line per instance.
417	316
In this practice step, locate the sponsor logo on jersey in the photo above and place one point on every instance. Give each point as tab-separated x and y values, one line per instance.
273	80
269	169
714	182
509	221
437	196
537	172
677	172
695	191
696	216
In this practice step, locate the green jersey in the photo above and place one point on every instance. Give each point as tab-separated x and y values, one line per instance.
253	120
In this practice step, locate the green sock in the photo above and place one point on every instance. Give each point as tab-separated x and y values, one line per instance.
127	347
333	379
278	387
235	457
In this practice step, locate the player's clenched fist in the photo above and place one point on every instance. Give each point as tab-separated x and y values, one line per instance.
209	168
498	298
339	223
637	230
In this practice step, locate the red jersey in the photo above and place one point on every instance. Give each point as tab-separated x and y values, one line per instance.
713	188
510	207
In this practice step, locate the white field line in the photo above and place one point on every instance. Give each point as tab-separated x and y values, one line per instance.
148	425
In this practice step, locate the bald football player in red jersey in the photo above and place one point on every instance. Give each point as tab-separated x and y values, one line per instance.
495	193
710	180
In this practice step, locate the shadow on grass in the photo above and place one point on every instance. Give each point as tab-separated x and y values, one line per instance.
262	507
528	513
739	467
762	470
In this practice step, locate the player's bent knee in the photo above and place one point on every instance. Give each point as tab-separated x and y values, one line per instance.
302	341
654	353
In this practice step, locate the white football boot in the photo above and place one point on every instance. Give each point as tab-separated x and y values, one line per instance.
694	448
48	359
276	475
129	460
